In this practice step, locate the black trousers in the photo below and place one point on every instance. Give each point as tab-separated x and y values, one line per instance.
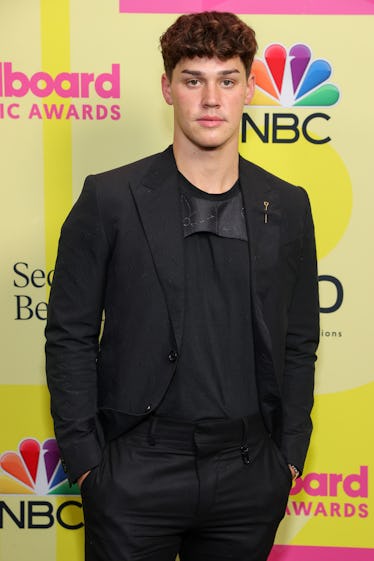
210	491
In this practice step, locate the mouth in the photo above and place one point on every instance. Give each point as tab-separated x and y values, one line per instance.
210	121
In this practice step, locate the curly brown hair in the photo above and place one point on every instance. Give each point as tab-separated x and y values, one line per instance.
208	34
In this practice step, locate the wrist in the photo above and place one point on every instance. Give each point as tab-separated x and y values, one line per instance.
295	471
82	477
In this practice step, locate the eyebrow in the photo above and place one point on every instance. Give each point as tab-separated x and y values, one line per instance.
220	73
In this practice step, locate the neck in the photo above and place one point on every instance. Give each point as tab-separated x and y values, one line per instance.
212	171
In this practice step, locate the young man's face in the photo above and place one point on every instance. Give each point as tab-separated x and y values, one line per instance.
208	96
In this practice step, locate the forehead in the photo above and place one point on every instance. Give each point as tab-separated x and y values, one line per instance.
205	65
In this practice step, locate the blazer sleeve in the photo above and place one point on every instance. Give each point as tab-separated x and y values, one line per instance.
72	333
301	345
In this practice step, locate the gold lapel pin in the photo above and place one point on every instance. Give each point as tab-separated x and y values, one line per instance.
266	206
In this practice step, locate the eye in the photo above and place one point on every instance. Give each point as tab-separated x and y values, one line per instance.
227	83
193	82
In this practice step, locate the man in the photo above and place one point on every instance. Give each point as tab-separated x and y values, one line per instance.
187	419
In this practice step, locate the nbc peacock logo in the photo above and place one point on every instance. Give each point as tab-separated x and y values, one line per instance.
290	78
35	469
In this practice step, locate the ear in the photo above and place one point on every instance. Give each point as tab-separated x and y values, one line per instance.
166	89
251	83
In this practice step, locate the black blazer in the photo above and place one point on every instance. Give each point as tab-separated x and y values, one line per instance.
121	252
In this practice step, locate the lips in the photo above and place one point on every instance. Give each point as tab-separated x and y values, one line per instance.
210	121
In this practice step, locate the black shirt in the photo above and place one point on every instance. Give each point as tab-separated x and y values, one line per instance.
215	373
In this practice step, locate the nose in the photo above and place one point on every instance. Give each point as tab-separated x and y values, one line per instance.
211	96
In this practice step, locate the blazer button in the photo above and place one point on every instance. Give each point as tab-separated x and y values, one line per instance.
173	355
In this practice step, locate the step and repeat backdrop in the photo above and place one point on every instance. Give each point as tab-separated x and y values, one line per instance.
80	93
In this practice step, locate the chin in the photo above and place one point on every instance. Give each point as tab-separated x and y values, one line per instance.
210	147
209	144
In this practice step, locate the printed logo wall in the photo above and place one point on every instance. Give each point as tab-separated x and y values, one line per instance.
77	100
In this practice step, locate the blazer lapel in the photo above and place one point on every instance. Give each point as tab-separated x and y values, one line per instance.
157	200
263	215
